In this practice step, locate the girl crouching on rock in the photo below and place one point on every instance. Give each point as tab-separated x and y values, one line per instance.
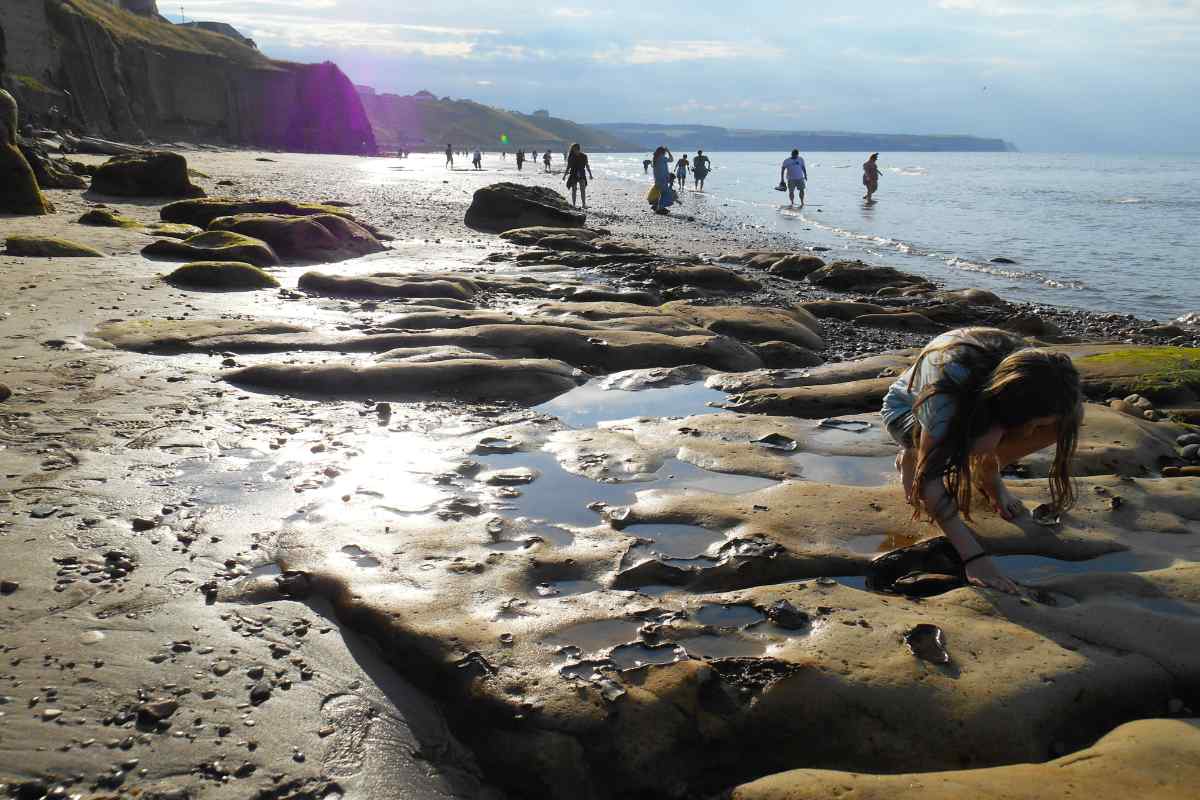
975	401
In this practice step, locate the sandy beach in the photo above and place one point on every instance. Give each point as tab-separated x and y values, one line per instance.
459	519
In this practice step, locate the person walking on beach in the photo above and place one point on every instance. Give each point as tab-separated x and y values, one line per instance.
975	401
646	162
681	171
546	160
477	159
520	159
662	178
796	175
871	177
449	157
577	173
700	169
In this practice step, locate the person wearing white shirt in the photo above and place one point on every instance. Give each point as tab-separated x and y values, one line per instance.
793	169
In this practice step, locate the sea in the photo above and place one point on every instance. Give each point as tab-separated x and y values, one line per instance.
1105	233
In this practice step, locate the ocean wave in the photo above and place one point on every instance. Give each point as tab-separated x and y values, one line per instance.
1129	201
1190	318
1014	274
912	172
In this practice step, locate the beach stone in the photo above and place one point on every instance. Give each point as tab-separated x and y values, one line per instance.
150	174
172	230
19	191
1187	439
1028	324
387	286
215	246
221	275
528	381
767	257
202	212
844	310
1191	452
534	234
155	711
783	355
814	401
855	276
505	206
901	321
797	266
318	237
1150	758
48	247
5	392
971	297
106	218
1163	331
706	277
50	174
753	323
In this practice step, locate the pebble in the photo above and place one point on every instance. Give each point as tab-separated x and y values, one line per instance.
43	511
1191	452
221	668
1187	439
142	524
8	587
5	392
260	692
50	714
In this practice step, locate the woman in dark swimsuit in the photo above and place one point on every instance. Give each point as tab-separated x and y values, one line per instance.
577	173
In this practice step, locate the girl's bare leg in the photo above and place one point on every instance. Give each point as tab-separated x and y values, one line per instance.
582	195
906	463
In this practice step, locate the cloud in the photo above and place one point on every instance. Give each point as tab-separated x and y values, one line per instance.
572	13
733	108
658	53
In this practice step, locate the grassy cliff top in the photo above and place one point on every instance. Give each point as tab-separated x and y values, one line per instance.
123	25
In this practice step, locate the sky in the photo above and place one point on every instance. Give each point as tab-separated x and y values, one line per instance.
1072	76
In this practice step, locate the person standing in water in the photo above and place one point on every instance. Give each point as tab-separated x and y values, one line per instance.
477	159
700	169
546	160
797	175
871	177
975	401
681	171
646	162
449	156
520	159
578	173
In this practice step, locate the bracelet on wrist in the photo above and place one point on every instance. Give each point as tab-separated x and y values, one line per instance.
980	554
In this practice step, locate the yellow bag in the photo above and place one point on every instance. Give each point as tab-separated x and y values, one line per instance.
653	195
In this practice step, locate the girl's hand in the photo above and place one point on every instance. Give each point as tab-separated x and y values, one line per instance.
983	572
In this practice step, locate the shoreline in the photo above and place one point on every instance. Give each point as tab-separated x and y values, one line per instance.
229	589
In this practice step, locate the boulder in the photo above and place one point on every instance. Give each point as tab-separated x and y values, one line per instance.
19	192
151	174
532	235
49	247
1149	758
797	266
221	275
51	174
215	246
706	277
830	400
845	310
106	218
203	211
1028	324
855	276
753	323
5	392
785	355
172	230
387	286
972	297
504	206
900	321
291	237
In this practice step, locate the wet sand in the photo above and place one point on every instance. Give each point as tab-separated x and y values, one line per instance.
223	591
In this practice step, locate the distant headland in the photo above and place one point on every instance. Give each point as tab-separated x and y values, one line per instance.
711	137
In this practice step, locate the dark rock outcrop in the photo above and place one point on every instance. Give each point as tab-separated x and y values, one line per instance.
319	237
154	174
48	247
504	206
215	246
19	192
50	174
855	276
105	71
221	275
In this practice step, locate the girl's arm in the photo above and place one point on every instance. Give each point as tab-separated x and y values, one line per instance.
980	571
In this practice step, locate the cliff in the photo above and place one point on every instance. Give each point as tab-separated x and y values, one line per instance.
689	137
422	122
101	69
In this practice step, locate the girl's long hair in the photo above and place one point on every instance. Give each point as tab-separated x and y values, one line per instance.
1009	386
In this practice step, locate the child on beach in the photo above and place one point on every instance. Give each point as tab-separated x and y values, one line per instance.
975	401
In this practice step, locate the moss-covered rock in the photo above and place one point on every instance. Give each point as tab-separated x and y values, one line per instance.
172	230
153	174
203	212
1160	373
51	173
106	218
215	246
19	191
505	206
855	276
48	247
319	237
221	275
